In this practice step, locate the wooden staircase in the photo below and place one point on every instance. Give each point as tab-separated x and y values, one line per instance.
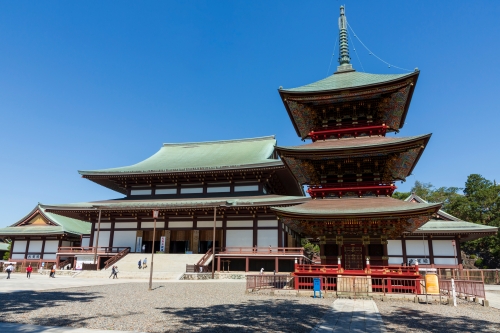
115	258
200	266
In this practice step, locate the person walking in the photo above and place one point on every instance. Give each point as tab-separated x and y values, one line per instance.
139	264
29	269
143	248
144	263
43	266
53	272
115	276
9	270
112	272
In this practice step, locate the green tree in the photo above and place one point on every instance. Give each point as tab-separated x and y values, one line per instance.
480	204
6	255
401	195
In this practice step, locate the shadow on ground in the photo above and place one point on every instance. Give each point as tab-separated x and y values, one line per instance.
280	315
23	302
427	319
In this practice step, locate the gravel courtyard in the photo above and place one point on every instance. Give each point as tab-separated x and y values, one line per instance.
404	316
171	307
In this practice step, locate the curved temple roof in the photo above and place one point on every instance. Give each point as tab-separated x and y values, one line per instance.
200	156
366	206
355	143
59	225
344	80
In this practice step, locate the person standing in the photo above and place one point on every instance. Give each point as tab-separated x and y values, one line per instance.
43	266
262	271
29	269
143	248
139	264
9	270
144	263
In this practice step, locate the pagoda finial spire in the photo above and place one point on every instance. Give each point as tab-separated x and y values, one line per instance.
344	59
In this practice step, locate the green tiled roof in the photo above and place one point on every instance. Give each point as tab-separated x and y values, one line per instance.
353	206
455	226
344	80
33	230
167	203
4	246
63	225
199	156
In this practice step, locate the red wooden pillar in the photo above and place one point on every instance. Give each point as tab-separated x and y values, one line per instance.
218	264
247	264
276	264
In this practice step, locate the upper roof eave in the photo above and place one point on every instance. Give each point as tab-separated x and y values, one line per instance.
110	205
271	163
354	144
336	212
401	77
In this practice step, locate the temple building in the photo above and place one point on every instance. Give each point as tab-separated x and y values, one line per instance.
250	191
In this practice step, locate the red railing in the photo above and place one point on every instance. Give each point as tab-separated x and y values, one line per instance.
248	250
360	188
257	282
464	288
373	270
90	250
115	258
350	129
200	266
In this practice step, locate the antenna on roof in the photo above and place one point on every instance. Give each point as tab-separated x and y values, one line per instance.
344	59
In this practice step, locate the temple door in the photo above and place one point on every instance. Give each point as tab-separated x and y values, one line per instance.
353	257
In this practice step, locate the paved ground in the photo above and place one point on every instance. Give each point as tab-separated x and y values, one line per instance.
182	306
21	328
493	295
348	315
38	282
404	316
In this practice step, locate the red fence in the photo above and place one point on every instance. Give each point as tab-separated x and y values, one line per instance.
364	285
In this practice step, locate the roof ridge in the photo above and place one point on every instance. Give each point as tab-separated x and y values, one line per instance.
222	141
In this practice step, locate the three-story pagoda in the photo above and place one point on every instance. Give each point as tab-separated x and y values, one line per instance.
351	165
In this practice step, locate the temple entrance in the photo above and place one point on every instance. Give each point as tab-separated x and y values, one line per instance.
353	257
179	246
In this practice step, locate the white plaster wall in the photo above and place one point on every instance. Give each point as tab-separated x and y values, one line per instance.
239	224
124	239
51	246
18	256
49	256
209	224
103	238
19	246
445	261
267	237
417	248
104	225
65	243
125	225
394	248
179	224
35	246
395	260
239	238
85	241
150	225
443	247
267	223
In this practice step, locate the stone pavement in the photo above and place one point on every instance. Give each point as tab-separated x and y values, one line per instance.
19	328
38	282
493	295
351	315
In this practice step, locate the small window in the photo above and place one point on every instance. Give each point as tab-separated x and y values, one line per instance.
140	192
218	189
246	188
189	190
166	190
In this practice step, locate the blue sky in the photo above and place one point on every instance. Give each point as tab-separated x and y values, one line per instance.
92	84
